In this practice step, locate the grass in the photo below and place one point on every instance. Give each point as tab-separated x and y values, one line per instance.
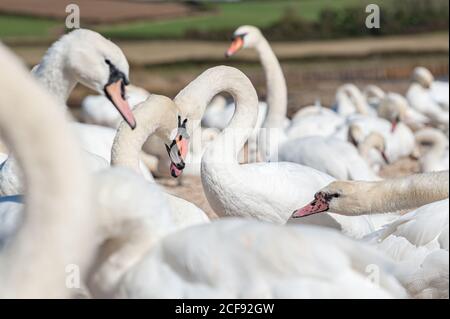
228	15
18	26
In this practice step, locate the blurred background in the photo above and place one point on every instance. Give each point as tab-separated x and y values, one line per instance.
320	43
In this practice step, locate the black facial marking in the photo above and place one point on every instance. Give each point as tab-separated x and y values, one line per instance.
242	36
115	75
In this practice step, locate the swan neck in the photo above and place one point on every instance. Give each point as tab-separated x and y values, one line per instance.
276	86
53	73
58	220
157	115
193	99
405	193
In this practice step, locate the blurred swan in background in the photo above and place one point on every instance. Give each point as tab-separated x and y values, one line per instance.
436	153
333	156
422	100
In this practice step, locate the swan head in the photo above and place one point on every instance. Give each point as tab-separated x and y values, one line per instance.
395	108
422	76
377	142
373	94
100	65
246	36
339	197
372	141
178	149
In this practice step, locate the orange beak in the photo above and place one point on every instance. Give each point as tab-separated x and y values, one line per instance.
235	46
183	146
115	92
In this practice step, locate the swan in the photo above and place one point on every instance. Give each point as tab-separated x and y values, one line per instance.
331	155
373	95
258	260
260	190
157	116
350	100
395	108
84	56
27	270
264	191
420	99
276	128
98	109
436	157
11	177
398	136
358	197
417	241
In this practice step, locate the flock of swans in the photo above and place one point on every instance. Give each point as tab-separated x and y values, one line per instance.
309	218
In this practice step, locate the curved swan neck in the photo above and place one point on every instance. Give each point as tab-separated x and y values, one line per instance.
357	98
194	98
367	145
58	220
400	193
437	139
52	72
158	114
276	86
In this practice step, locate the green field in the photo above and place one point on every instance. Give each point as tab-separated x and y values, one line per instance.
16	26
226	15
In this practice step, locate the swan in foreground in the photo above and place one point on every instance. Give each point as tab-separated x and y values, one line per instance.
417	241
84	56
258	260
265	191
158	116
26	269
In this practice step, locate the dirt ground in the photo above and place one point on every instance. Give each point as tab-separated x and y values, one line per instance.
100	11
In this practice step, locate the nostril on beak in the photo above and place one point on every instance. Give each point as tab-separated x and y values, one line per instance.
181	165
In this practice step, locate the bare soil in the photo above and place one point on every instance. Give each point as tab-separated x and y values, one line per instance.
100	11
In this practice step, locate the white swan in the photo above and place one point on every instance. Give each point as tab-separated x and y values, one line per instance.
264	191
86	57
350	100
257	260
276	128
417	241
395	108
373	95
56	182
436	157
421	100
330	155
157	115
399	137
